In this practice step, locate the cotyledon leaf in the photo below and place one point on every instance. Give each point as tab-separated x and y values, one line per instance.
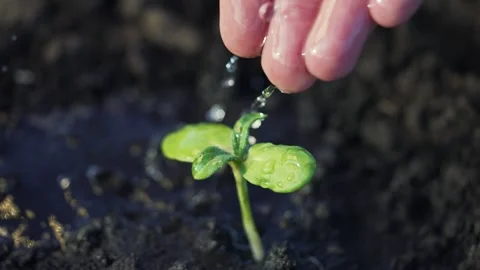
241	132
209	161
185	144
281	168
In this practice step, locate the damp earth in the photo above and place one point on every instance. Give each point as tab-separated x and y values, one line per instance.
89	88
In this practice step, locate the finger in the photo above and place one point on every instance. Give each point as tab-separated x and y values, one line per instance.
337	37
241	27
391	13
282	58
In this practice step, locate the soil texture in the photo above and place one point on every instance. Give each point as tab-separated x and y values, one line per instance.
89	88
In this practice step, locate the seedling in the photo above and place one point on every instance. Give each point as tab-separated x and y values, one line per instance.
211	146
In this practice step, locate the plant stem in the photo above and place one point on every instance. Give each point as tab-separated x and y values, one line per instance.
253	237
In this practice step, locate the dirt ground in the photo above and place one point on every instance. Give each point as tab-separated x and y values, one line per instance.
88	89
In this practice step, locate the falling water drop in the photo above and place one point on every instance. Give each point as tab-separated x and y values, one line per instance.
216	113
256	124
228	82
231	65
261	100
63	182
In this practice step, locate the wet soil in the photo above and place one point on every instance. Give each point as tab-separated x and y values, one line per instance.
88	89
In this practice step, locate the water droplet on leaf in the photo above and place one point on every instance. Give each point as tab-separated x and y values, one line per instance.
265	183
256	124
269	167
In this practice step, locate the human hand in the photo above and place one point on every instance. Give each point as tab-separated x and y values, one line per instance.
306	39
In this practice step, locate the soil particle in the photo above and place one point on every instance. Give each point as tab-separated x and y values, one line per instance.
278	259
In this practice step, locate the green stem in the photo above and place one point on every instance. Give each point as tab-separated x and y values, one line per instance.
247	219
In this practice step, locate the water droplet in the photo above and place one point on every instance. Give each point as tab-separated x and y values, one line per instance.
280	184
269	167
290	177
231	65
64	183
266	10
261	100
291	157
4	68
256	124
252	140
14	37
267	92
228	82
216	113
265	183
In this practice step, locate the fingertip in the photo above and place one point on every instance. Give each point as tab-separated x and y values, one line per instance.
337	38
328	70
393	12
241	29
288	80
282	58
241	47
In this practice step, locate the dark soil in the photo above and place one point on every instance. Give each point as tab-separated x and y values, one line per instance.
88	89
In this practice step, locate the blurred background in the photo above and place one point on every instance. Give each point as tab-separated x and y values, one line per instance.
89	88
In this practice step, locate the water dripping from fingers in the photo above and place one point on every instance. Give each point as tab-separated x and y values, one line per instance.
260	102
232	64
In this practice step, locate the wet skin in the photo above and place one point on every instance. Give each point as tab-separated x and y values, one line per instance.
304	40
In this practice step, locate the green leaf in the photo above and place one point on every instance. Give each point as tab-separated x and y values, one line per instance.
209	161
241	132
185	143
281	168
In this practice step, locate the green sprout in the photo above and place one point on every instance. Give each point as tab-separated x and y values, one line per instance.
210	146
